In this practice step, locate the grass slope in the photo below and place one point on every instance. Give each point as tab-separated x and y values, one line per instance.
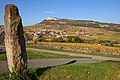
84	71
107	70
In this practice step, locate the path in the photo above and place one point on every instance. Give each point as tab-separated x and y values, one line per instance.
47	62
75	54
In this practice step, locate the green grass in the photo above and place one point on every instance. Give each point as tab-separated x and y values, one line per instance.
3	56
107	70
84	71
41	55
89	53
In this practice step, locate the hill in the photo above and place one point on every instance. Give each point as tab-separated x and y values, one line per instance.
85	23
89	31
79	23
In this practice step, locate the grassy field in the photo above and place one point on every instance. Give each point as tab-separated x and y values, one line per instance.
106	70
89	53
41	55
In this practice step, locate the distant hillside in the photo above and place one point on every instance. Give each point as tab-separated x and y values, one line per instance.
83	23
89	31
78	23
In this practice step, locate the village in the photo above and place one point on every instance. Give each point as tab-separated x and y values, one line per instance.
49	33
52	33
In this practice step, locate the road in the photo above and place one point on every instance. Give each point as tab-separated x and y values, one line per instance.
58	61
48	62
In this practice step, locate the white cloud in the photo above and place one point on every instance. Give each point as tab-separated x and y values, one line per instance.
50	12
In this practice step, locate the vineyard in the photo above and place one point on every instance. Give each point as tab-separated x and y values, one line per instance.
82	47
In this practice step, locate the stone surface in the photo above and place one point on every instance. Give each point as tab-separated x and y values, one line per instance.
14	39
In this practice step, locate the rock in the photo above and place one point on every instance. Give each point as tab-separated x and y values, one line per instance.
14	39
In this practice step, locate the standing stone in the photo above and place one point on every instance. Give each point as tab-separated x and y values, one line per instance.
14	39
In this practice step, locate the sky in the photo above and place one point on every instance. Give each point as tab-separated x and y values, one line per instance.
34	11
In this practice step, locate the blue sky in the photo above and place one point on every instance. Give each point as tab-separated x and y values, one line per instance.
34	11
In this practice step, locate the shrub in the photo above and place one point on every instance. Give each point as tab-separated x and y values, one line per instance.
74	39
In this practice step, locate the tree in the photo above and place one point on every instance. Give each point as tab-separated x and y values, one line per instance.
74	39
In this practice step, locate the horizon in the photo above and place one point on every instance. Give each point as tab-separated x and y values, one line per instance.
32	12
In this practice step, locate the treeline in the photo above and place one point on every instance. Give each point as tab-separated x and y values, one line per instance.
68	39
